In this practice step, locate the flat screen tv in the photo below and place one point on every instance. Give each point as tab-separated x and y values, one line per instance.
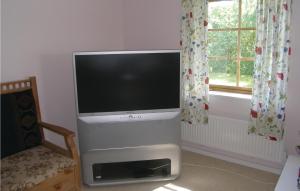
127	81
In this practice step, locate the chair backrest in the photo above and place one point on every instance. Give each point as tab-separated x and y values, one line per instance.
20	116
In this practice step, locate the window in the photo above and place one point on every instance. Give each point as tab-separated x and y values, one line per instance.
231	42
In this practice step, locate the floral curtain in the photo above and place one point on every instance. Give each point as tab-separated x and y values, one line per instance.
194	61
268	103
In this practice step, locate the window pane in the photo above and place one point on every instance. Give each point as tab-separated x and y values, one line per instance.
248	43
246	79
222	43
223	14
248	13
222	72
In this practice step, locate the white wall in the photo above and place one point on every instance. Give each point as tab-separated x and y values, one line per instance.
293	103
39	37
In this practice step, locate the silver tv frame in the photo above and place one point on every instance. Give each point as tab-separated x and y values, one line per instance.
162	127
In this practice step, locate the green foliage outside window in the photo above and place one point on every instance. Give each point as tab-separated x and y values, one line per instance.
222	45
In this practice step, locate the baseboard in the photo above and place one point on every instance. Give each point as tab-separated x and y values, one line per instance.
253	162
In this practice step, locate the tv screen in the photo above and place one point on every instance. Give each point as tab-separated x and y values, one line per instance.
127	81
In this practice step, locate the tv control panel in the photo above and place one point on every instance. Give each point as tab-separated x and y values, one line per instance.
129	117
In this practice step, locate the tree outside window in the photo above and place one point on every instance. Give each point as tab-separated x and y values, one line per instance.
231	44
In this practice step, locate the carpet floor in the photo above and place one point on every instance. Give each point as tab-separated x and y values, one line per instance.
202	173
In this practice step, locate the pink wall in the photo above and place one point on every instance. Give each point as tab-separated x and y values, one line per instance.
39	36
151	24
293	103
1	40
155	24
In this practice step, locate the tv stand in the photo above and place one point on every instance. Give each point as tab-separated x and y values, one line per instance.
127	148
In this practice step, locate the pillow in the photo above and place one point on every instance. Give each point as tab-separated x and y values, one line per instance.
19	127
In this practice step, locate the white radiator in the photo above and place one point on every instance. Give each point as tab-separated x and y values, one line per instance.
231	135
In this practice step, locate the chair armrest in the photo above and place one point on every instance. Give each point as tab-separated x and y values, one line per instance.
68	137
57	129
71	147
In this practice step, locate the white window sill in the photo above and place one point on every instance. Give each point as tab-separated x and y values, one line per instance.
227	94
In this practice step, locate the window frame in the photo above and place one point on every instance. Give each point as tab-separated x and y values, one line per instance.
238	58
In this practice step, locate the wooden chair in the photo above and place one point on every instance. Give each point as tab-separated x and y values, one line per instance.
35	164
